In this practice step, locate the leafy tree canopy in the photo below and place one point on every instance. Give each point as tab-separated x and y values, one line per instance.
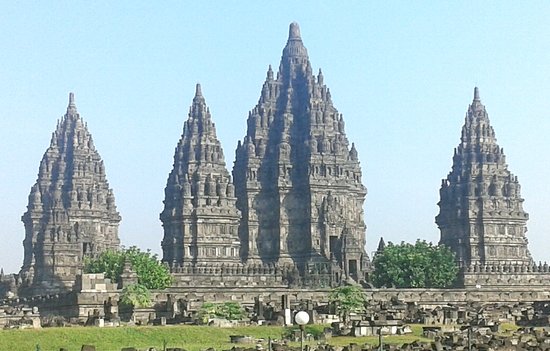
348	299
227	310
422	265
151	273
136	295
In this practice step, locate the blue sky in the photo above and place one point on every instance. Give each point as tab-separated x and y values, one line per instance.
402	73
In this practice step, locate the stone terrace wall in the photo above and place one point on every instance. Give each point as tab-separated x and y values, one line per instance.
507	276
91	291
94	290
268	276
422	297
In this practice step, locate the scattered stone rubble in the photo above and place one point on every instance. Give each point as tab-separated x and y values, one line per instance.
451	327
19	317
527	339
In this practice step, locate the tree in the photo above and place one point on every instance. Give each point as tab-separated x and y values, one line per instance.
136	295
151	273
422	265
227	310
347	299
110	262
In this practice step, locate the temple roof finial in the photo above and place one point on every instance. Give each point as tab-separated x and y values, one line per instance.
198	95
294	32
72	105
294	46
198	91
476	94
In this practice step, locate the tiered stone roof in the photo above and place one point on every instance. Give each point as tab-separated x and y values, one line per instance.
200	218
297	179
481	209
71	212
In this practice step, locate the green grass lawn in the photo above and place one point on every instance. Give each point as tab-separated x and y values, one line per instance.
192	338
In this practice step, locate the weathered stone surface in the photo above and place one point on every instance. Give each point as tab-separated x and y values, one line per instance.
297	179
71	212
481	214
200	218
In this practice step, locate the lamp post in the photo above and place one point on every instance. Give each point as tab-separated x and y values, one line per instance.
301	318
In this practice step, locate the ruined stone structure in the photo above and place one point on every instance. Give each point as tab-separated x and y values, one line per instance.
297	179
71	212
481	210
295	215
289	229
481	214
200	218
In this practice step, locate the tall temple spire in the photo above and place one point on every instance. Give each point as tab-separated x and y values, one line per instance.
476	94
295	48
481	214
198	91
294	150
294	31
200	218
71	108
71	212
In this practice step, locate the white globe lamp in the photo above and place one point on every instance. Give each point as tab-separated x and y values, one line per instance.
302	318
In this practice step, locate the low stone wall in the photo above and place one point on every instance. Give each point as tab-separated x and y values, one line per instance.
19	317
80	305
506	279
95	291
251	275
422	297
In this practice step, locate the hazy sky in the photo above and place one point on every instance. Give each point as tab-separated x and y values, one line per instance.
402	73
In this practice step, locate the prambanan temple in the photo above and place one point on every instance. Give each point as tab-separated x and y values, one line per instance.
71	212
290	214
295	197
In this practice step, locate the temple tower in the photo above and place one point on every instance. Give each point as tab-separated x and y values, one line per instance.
200	218
481	215
71	212
297	178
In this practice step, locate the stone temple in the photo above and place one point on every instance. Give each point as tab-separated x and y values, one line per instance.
290	215
481	214
71	212
200	218
297	198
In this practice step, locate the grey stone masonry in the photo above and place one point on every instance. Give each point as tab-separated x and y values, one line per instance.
481	214
200	218
71	212
297	178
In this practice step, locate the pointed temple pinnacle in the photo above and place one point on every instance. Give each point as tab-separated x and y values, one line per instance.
71	100
476	94
294	32
198	91
72	105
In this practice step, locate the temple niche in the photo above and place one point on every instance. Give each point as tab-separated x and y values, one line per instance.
481	215
200	218
71	212
297	178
